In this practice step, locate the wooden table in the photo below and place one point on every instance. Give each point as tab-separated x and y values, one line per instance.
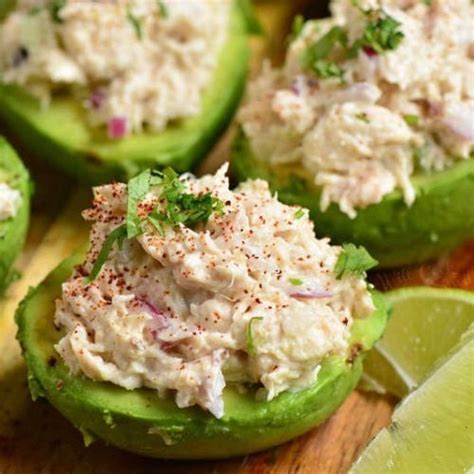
34	438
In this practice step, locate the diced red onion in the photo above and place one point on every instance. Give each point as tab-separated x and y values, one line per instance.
370	52
311	294
117	127
159	319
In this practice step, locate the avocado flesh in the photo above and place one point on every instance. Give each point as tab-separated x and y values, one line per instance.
141	422
61	134
13	230
441	217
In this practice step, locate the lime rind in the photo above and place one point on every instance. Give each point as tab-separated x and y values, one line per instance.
426	324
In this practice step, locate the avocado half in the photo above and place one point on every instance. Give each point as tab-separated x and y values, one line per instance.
13	230
441	217
141	422
61	135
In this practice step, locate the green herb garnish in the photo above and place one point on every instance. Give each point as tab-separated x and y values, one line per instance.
250	341
164	13
180	207
296	28
353	260
363	117
324	69
295	281
118	235
254	27
55	7
138	188
411	120
135	22
299	213
315	56
381	34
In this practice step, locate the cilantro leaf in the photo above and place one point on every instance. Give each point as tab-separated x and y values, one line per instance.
135	22
295	281
250	341
138	188
381	34
296	28
254	27
55	7
118	235
315	56
353	260
164	13
299	213
411	120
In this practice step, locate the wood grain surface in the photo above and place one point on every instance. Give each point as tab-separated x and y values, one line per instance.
34	438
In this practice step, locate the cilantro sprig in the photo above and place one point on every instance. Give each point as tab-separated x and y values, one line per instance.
176	207
353	261
180	207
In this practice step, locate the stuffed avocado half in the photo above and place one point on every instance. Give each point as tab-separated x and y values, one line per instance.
88	134
202	322
141	422
15	191
369	124
396	235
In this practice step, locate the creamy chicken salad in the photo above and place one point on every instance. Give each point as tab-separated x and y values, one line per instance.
189	286
10	202
380	91
132	63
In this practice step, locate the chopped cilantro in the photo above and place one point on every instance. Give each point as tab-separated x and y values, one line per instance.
353	260
118	235
324	69
299	213
254	26
428	2
55	7
295	281
296	28
381	34
138	188
411	120
164	13
315	56
180	207
135	22
250	341
363	117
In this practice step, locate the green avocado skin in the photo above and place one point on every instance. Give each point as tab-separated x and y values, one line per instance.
141	422
61	135
13	230
441	217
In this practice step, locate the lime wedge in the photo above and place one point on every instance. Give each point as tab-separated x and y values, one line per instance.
432	431
426	324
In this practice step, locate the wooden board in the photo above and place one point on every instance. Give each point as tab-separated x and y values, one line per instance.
34	438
